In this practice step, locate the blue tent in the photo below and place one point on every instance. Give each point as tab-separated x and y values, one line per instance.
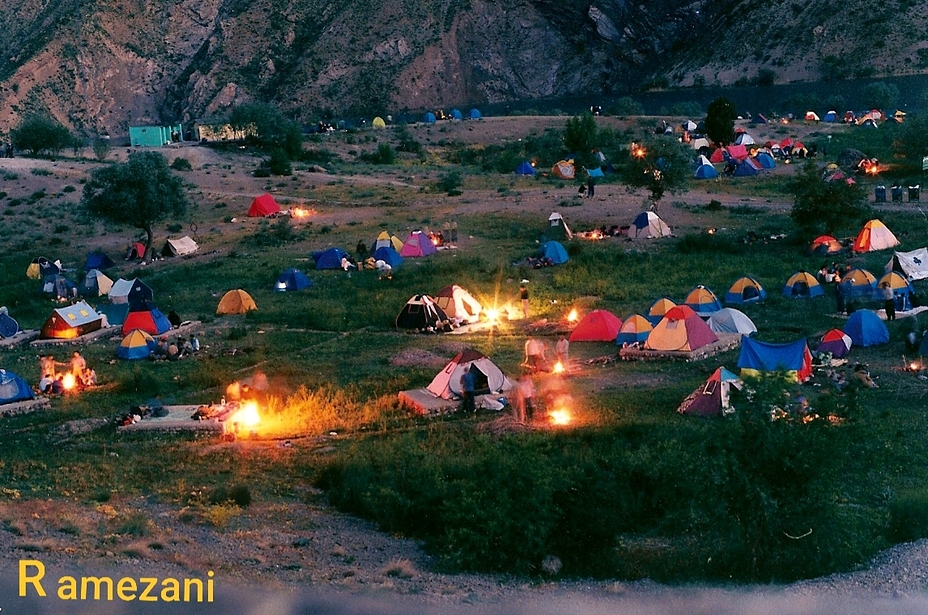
765	160
525	168
595	172
115	313
329	259
389	256
757	356
456	114
59	286
474	114
706	171
745	169
554	251
745	290
98	260
429	118
13	388
866	329
292	279
8	326
759	119
831	116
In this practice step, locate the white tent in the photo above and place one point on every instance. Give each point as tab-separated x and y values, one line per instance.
700	143
180	247
702	160
458	304
730	320
744	139
913	264
648	224
447	383
557	220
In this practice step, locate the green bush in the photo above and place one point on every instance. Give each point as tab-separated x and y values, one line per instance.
384	154
181	164
450	181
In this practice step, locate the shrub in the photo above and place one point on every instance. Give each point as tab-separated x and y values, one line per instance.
181	164
384	154
450	181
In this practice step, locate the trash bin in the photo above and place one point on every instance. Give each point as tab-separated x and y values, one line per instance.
897	194
880	194
914	192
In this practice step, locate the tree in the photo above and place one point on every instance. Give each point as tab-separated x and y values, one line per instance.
821	206
720	120
265	126
137	193
581	138
40	133
910	140
879	95
661	164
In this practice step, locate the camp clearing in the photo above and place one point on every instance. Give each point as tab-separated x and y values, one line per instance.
126	589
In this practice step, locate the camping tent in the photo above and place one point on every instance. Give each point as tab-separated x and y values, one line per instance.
712	397
474	114
597	326
525	168
421	313
646	225
745	290
8	325
746	168
418	244
837	342
802	285
703	301
136	250
914	264
378	122
902	289
429	117
765	160
456	114
730	320
458	304
858	284
145	316
59	286
97	260
179	247
235	302
738	153
874	236
659	308
292	279
680	329
130	291
831	116
744	139
866	329
71	321
96	284
794	358
705	171
330	258
41	268
563	170
824	245
263	205
557	228
387	240
490	378
137	344
389	256
812	116
13	388
115	313
554	252
635	330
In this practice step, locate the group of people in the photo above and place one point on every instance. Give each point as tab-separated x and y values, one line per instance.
835	273
176	349
51	381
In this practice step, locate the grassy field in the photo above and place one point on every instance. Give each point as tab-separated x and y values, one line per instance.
630	490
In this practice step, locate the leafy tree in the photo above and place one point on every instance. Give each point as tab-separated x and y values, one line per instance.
720	120
278	163
101	148
581	138
40	133
661	164
910	140
626	106
265	126
881	95
826	206
138	193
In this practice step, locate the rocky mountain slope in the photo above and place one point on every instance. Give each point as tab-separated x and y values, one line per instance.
101	65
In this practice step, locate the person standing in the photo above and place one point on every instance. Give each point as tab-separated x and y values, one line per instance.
590	187
468	385
523	295
562	348
889	300
78	366
527	392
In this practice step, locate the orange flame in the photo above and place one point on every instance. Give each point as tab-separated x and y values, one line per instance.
299	212
561	416
558	368
246	417
573	316
69	382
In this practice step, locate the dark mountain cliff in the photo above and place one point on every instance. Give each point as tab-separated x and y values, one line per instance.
100	65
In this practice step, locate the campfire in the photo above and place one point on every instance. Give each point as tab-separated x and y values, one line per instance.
560	416
299	212
69	382
573	316
558	368
245	418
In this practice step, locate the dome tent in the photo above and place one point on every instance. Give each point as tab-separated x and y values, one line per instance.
145	316
553	251
712	397
703	301
597	326
874	236
490	378
681	329
646	225
421	313
292	279
837	342
263	205
13	388
137	344
659	308
745	290
802	285
635	330
458	304
730	320
866	329
235	302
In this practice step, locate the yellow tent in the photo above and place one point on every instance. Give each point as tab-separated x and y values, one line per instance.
378	122
236	302
32	271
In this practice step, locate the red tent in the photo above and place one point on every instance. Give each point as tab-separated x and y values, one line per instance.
680	329
717	156
738	152
597	326
263	205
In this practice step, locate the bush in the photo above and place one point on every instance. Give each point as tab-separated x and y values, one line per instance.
277	164
384	154
181	164
908	516
450	181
